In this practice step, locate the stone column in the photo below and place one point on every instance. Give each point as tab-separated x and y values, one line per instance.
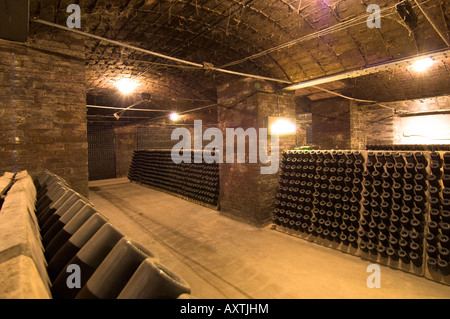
357	127
245	193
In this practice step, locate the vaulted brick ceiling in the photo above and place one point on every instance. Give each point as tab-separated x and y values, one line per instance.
224	31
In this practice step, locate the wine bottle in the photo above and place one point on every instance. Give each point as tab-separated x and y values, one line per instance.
446	193
445	228
432	251
383	239
370	166
436	169
415	258
436	157
432	264
371	157
446	181
381	250
431	239
444	254
372	237
372	248
419	202
380	157
445	216
362	234
444	267
444	241
410	157
393	243
416	225
404	257
447	157
446	204
400	168
408	189
433	228
398	158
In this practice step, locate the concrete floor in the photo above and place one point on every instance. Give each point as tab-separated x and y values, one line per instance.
222	258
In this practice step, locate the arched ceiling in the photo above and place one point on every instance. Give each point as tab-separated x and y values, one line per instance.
315	38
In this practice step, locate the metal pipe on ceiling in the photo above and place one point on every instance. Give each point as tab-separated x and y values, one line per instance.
122	108
424	113
368	70
163	56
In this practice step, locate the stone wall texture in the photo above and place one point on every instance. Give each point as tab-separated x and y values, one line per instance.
43	107
331	124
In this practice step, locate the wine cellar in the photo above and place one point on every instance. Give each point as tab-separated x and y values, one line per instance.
210	150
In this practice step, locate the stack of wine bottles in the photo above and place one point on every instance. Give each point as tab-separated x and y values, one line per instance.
319	194
438	235
197	181
394	207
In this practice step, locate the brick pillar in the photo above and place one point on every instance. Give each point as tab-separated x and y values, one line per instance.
43	107
357	127
245	193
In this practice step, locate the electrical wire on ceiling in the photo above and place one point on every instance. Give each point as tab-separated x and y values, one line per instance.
334	28
354	99
432	23
205	66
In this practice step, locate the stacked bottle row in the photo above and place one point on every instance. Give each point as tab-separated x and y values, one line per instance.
319	194
408	147
197	180
438	235
394	206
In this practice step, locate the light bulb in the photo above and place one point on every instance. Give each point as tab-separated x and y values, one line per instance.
422	64
174	116
126	85
283	126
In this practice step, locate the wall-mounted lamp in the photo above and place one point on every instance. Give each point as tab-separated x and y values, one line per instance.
281	126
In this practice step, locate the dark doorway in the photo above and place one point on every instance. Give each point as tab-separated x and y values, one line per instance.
101	152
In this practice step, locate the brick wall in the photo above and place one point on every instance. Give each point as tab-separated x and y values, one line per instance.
331	124
374	124
155	135
357	127
43	107
304	123
125	144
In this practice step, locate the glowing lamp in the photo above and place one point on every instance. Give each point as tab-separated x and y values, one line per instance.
422	65
174	116
126	85
281	126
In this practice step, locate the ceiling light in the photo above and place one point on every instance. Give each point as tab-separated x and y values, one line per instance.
422	65
174	116
126	85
